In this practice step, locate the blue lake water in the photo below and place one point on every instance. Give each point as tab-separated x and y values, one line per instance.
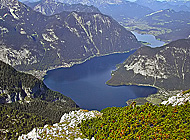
150	39
85	83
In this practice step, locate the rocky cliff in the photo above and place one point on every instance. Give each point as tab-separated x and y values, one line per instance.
166	67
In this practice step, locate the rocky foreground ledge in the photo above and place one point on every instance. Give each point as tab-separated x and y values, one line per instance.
67	128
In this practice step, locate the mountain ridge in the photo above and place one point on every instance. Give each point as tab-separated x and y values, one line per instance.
51	7
118	9
166	25
161	5
164	67
61	40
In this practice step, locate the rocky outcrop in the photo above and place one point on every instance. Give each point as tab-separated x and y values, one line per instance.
178	99
67	128
167	67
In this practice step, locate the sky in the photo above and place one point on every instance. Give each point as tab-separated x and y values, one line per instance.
135	0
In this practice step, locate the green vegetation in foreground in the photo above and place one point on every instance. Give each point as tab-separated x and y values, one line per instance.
140	122
13	123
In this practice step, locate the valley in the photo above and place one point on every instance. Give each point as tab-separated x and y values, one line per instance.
99	69
62	40
167	25
85	83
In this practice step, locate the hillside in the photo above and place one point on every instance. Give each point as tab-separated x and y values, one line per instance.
25	99
13	123
130	122
162	5
34	42
166	67
140	122
67	128
16	86
167	25
26	93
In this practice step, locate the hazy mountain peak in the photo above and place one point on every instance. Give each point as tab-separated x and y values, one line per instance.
51	7
92	2
11	4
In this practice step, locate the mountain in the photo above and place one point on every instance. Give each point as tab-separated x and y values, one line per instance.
163	5
26	93
50	7
166	67
24	88
16	86
33	42
166	25
96	3
178	27
31	4
118	9
125	10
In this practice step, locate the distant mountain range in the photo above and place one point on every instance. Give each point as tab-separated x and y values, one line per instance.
51	7
118	9
162	5
31	41
166	67
178	26
167	25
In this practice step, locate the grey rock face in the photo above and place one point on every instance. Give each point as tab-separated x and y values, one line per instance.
167	67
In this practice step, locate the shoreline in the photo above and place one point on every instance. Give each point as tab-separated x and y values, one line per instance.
40	74
155	98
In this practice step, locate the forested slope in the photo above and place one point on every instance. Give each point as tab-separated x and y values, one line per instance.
26	100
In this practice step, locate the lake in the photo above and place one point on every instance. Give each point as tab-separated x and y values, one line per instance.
85	83
150	39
